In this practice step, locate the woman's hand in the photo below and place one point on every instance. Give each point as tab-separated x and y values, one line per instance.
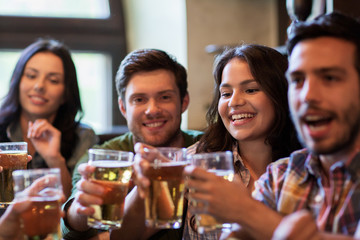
221	198
46	140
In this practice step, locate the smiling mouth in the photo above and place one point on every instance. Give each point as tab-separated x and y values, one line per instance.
154	124
38	99
242	116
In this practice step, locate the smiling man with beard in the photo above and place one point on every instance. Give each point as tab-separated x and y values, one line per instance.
152	89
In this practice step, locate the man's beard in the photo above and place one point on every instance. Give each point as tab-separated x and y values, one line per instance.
346	139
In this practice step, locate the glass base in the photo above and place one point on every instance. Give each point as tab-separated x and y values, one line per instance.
163	224
103	224
3	207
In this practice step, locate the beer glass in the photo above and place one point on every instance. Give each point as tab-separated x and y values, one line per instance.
113	171
43	188
13	156
221	164
165	197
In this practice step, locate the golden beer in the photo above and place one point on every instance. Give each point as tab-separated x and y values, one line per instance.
10	161
114	176
206	222
165	199
41	220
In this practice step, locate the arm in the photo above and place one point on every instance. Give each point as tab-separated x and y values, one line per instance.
301	225
46	140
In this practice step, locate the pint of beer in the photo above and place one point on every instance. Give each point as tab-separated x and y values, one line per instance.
43	188
165	199
221	164
113	171
13	156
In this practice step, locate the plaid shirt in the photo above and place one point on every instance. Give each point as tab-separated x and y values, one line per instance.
295	183
189	233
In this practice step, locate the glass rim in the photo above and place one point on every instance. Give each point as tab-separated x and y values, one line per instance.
23	172
212	153
12	143
108	151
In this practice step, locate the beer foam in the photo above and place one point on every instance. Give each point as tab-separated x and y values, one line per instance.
221	172
110	164
13	152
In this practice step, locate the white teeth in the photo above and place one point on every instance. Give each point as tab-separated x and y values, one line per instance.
316	128
313	118
242	116
157	124
38	98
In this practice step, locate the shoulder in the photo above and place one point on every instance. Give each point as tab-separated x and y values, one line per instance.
295	162
191	137
123	142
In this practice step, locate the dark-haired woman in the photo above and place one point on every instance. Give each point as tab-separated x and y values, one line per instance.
43	108
249	116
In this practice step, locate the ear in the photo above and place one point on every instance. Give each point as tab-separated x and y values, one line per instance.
122	107
185	103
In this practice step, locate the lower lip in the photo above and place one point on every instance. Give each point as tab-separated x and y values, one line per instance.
319	132
37	102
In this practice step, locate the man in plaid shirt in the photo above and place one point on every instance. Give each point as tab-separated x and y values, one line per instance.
320	185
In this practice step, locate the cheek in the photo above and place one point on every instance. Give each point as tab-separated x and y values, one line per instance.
222	109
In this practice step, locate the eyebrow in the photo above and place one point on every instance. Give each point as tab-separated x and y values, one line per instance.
317	71
51	73
243	83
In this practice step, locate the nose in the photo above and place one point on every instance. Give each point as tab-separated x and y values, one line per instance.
236	99
39	84
310	91
152	107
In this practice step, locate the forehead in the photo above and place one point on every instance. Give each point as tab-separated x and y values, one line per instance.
236	71
322	52
45	60
152	82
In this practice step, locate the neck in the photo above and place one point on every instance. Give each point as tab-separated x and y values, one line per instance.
256	156
327	160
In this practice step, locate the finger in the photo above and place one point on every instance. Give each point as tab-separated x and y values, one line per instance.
89	187
40	128
86	170
194	172
86	200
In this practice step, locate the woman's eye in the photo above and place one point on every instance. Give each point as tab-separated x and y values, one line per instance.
252	90
225	94
30	75
54	81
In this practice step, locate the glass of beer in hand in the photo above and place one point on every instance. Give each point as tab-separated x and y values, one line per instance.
13	156
113	171
221	164
165	197
42	187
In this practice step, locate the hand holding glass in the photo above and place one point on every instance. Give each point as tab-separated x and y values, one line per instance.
43	188
165	199
221	164
113	171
